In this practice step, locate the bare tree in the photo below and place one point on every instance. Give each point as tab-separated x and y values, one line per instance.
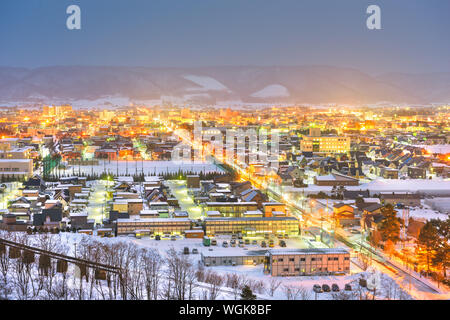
215	282
274	284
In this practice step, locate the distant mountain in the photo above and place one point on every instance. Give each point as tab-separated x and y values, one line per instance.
299	84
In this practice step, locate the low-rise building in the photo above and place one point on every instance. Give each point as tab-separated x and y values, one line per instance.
302	262
252	226
153	225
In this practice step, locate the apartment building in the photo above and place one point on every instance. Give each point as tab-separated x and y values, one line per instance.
153	225
302	262
317	143
252	226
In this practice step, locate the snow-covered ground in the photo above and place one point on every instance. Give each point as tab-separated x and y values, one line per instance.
147	167
436	187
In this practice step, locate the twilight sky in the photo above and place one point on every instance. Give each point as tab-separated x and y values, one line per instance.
185	33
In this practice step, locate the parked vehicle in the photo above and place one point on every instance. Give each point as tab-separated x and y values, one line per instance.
233	236
282	244
157	237
206	241
213	242
255	242
186	250
317	288
271	244
225	244
263	244
233	243
240	236
195	251
348	287
335	287
241	243
173	238
326	288
247	241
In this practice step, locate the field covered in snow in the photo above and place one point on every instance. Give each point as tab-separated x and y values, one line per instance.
138	167
211	283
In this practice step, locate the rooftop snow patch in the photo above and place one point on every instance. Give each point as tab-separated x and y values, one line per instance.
205	83
272	91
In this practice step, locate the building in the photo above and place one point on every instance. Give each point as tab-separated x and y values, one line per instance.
335	180
251	257
252	226
407	199
302	262
193	181
18	168
9	222
231	209
153	225
328	144
270	207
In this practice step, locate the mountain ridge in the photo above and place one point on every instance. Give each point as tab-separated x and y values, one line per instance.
282	84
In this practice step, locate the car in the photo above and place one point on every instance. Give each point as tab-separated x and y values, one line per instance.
225	244
254	242
335	287
263	244
286	236
241	243
317	288
233	244
195	251
348	287
186	250
233	236
279	236
213	242
247	241
271	244
157	237
240	236
326	288
173	238
282	244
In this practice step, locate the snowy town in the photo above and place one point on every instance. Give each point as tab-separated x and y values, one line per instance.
301	203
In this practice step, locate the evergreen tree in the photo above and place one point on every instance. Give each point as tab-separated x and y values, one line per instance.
441	258
247	294
427	240
390	225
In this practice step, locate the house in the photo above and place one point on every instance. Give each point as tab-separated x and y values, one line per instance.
417	172
335	180
407	199
35	183
270	207
193	181
9	222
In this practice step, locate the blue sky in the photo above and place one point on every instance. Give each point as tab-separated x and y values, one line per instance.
185	33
